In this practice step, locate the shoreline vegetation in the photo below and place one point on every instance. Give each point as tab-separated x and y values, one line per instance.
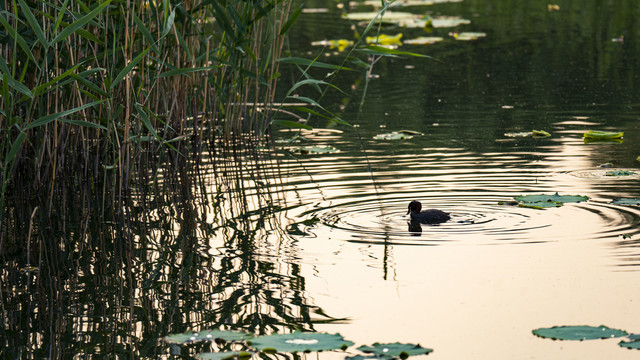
94	92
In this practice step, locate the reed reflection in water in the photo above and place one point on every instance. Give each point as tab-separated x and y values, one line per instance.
200	248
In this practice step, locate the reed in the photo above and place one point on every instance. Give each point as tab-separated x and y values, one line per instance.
92	89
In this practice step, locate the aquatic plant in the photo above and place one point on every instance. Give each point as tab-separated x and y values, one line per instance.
94	90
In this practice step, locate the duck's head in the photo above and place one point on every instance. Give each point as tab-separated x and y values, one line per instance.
414	207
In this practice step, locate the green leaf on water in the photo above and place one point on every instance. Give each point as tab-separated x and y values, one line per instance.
424	40
306	150
602	135
621	201
301	342
227	355
468	36
578	332
393	350
540	204
630	344
207	335
619	173
397	135
551	198
534	133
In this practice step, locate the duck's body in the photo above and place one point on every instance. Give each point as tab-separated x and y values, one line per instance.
431	216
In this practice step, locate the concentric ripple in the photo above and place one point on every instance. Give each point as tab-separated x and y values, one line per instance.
356	198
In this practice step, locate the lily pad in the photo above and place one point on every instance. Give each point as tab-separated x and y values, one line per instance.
340	44
301	342
395	350
551	198
602	135
578	332
534	133
384	39
468	36
619	173
396	135
540	204
306	150
424	40
227	355
630	344
622	201
207	335
389	16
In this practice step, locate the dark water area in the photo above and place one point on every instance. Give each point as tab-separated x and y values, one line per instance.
282	241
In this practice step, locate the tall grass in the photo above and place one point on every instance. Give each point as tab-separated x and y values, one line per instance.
94	88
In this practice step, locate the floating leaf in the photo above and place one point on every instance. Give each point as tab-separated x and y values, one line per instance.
411	2
630	344
397	135
227	355
551	198
207	335
389	16
383	39
534	133
305	150
540	133
519	134
626	201
602	135
340	44
619	173
395	350
578	332
301	342
540	204
424	40
468	36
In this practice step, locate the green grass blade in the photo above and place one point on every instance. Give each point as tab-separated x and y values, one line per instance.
146	33
185	71
168	24
18	86
13	152
383	51
291	124
51	117
292	19
63	10
311	63
39	90
35	25
84	124
77	25
18	38
128	68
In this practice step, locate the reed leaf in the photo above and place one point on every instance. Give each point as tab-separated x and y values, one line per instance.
17	37
311	63
35	25
185	71
128	68
51	117
292	20
78	24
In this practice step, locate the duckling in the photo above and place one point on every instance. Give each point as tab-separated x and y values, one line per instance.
431	216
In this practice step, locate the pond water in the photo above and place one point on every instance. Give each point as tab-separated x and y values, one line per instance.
476	286
322	241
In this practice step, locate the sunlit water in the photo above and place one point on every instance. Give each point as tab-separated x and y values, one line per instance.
475	287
